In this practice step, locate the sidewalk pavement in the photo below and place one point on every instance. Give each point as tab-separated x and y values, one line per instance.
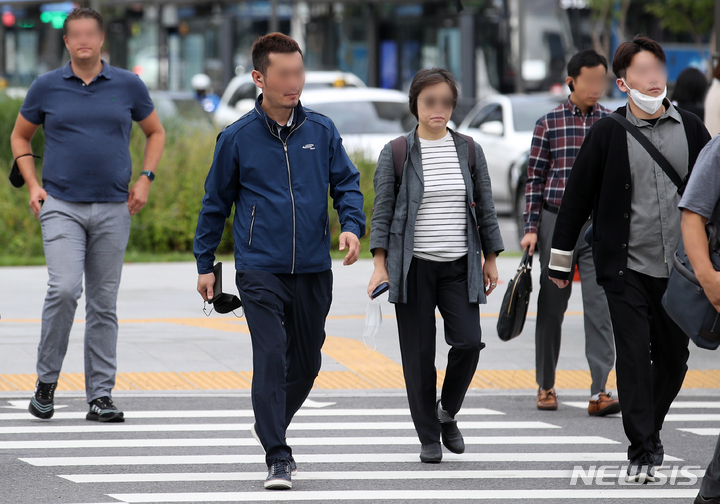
167	343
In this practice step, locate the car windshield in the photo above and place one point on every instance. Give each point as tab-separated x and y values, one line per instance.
366	117
526	112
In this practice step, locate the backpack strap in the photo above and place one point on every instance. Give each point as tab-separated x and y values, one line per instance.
471	152
399	154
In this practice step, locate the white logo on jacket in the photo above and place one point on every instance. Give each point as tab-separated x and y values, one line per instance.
309	146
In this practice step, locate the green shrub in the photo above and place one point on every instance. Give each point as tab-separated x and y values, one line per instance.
166	226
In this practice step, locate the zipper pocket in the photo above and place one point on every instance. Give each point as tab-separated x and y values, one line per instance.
325	231
252	225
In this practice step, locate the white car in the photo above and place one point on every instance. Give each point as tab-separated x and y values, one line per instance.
366	118
240	94
503	126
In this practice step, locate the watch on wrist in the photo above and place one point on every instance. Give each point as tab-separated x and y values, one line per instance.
148	174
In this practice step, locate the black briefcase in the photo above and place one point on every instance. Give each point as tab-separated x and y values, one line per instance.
516	301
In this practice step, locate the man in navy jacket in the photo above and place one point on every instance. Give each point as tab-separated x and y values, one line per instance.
275	165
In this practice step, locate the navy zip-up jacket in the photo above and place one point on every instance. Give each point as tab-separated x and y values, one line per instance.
280	191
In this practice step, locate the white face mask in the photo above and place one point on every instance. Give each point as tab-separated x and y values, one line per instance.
648	104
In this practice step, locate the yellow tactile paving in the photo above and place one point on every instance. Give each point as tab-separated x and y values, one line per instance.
502	379
374	367
363	369
217	380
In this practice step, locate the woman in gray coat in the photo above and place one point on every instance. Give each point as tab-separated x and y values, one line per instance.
427	238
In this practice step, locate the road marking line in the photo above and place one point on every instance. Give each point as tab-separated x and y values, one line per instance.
295	426
330	475
410	495
317	475
248	413
306	441
675	405
705	431
326	458
690	417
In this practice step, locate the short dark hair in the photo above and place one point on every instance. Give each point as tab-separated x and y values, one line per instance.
271	43
585	59
690	87
627	51
429	77
82	13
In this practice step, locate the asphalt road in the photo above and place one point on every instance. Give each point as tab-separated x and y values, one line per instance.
349	447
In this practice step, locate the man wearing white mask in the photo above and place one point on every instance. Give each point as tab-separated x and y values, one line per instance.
632	188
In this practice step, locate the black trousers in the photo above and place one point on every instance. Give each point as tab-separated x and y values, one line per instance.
443	285
286	317
710	486
652	353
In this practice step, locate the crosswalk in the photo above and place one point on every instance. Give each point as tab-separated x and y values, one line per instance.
344	454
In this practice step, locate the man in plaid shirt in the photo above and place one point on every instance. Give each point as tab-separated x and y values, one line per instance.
556	142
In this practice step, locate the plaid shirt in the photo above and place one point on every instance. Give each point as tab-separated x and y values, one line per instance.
556	142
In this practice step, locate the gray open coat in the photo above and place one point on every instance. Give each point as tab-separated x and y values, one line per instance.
393	222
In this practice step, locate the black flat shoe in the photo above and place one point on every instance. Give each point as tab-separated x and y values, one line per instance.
431	453
451	436
702	500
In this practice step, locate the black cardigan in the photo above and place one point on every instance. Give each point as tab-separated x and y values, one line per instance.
600	183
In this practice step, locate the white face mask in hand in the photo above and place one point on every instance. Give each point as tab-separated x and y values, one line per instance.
648	104
373	320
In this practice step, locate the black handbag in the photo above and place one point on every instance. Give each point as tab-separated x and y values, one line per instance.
513	311
16	178
685	300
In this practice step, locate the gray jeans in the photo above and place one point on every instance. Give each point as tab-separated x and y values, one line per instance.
552	304
79	238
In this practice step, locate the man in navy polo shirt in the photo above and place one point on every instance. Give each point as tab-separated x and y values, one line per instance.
86	109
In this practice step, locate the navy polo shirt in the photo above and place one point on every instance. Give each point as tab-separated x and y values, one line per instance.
87	131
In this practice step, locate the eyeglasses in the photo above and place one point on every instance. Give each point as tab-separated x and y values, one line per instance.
446	103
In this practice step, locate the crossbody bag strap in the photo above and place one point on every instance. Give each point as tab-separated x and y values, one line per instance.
652	150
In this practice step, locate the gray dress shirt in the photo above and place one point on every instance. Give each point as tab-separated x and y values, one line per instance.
654	215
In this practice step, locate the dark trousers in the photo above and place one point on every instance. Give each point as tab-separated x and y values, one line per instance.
552	304
445	285
286	317
710	486
652	353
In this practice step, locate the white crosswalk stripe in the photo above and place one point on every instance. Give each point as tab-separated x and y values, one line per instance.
377	448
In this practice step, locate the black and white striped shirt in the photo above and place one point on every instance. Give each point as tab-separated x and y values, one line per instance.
441	225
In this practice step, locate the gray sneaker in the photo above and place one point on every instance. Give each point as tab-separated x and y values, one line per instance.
278	477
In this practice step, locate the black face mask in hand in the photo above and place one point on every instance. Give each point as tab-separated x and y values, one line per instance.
225	303
222	302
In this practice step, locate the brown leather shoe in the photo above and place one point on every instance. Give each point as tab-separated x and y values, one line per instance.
547	400
605	405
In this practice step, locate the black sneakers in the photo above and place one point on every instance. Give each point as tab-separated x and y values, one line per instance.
451	436
291	460
103	410
42	403
641	470
278	477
